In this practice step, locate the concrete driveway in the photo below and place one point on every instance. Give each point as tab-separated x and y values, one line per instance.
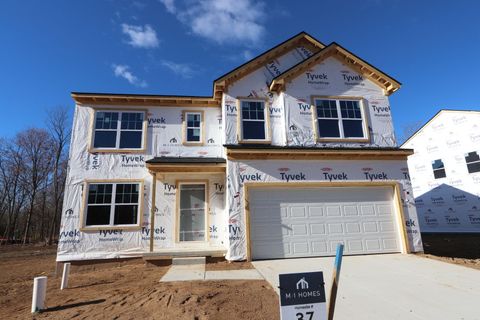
391	286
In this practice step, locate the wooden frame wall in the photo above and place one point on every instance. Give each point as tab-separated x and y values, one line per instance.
176	224
268	129
397	203
141	202
365	120
91	129
202	128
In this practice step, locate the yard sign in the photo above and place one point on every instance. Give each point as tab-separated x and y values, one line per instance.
302	296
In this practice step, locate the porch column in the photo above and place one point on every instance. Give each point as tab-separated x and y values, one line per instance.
152	211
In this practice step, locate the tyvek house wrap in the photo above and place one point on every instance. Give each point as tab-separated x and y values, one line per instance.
291	112
239	172
450	204
164	138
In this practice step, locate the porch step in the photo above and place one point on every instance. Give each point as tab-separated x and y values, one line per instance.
188	261
163	254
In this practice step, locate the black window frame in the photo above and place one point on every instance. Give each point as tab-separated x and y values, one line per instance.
187	127
122	125
473	165
111	199
342	114
438	168
257	114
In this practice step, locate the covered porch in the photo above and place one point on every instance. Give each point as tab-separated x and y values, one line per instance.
188	194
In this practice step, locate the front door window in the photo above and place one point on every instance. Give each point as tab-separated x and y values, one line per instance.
192	212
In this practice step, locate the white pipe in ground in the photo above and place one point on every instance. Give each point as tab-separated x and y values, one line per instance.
39	293
66	272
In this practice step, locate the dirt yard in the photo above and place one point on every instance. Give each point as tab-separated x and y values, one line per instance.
131	290
463	249
126	290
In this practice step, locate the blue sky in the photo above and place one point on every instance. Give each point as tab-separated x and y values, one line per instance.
51	48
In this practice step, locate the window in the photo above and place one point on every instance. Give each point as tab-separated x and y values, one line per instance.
473	162
193	127
112	204
253	120
438	169
340	119
118	130
192	212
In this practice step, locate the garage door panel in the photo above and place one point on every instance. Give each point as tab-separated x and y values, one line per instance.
334	211
291	223
300	248
298	212
370	227
350	210
317	229
314	211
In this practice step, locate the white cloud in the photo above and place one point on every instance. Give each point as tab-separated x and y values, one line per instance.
247	54
236	22
122	71
141	37
169	5
183	70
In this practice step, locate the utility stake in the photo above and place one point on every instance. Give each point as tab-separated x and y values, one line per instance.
39	293
336	279
66	272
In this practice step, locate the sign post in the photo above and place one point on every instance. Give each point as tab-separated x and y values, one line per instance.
302	296
335	279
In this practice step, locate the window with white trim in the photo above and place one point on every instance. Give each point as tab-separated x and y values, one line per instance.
118	130
253	120
193	127
112	204
438	169
340	119
472	159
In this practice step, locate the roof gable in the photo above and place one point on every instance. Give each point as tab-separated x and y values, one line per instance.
436	116
359	65
301	39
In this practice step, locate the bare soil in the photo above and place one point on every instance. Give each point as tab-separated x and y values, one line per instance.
126	290
462	249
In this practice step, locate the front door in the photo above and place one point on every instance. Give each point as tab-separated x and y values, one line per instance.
192	212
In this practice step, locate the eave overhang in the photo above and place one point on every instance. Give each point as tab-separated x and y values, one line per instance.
186	165
83	98
301	39
317	153
389	84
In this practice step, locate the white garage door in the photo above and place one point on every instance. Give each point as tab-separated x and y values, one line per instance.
294	222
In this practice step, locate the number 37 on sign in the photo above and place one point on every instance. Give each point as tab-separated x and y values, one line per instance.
302	296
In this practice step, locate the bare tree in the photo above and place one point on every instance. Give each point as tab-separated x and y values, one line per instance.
35	145
59	128
11	167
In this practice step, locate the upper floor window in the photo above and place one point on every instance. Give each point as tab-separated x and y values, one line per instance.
438	169
118	130
473	162
340	119
113	204
253	121
193	127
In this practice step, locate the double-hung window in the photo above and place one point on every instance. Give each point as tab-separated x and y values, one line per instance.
113	204
253	121
340	119
193	124
438	169
472	160
118	130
